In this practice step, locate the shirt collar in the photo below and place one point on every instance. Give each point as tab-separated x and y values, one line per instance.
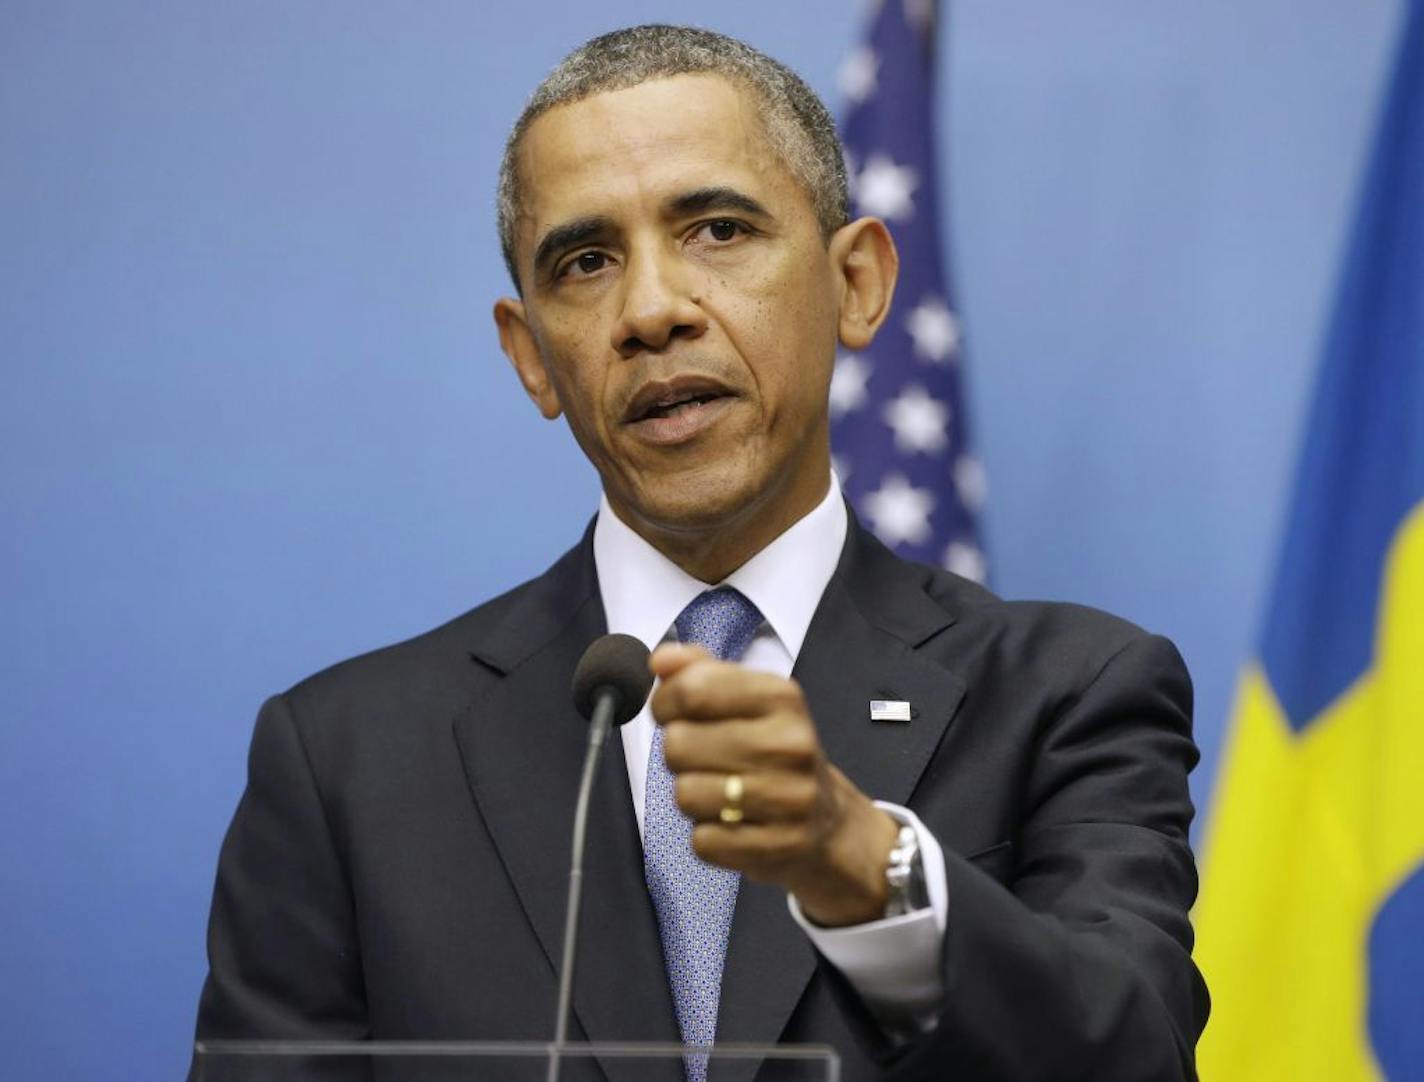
643	591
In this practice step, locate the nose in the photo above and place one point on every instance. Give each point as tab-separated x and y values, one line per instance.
658	305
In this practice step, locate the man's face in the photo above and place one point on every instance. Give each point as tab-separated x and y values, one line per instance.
680	304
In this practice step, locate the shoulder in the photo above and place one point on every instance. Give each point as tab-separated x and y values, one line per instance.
972	631
1062	623
435	674
1050	643
396	664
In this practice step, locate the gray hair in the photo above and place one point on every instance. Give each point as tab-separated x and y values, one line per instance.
798	125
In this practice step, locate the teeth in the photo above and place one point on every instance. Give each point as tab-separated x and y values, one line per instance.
670	406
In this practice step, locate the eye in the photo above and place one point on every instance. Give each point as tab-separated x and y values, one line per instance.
585	263
720	231
723	229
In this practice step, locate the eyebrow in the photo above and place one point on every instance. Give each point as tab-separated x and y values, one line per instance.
719	197
569	235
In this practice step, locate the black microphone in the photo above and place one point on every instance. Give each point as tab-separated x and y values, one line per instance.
611	684
613	668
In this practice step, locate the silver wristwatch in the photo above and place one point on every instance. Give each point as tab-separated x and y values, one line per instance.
905	876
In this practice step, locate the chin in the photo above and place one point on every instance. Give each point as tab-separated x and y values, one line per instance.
694	511
698	500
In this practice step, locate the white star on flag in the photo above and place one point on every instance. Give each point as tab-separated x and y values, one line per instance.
899	512
848	383
883	188
971	482
858	73
935	330
965	560
918	420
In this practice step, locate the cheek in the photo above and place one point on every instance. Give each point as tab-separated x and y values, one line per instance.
585	405
576	377
801	335
779	316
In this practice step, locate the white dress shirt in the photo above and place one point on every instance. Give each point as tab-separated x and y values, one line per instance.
894	963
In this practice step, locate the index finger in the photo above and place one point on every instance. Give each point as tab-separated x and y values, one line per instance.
711	690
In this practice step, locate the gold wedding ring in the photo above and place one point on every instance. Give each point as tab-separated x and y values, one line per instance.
732	789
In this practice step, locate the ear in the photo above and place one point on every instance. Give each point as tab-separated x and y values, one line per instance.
516	338
864	259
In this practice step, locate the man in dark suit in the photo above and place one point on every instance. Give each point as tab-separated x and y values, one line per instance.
992	885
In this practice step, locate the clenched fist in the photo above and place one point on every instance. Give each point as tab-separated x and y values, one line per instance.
803	824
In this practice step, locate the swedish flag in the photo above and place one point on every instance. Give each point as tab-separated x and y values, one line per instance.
1311	919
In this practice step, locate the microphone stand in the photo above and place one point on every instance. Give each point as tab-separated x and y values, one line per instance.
606	699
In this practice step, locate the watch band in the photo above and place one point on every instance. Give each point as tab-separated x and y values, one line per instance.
905	875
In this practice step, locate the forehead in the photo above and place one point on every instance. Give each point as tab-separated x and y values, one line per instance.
642	144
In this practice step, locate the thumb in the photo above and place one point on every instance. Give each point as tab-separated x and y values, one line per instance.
671	658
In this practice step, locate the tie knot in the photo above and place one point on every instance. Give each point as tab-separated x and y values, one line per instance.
721	620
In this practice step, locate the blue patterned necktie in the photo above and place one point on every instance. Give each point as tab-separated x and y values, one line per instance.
694	900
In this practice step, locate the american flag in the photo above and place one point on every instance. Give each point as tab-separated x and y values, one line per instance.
899	427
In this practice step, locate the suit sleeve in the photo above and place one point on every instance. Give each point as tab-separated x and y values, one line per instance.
282	945
1078	965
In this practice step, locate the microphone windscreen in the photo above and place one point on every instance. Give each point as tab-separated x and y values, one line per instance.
618	662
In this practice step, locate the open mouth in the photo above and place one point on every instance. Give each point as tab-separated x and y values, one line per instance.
676	410
671	407
662	399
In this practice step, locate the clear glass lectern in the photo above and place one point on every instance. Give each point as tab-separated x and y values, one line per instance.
507	1061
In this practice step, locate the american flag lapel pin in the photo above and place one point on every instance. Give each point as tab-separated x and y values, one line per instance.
889	710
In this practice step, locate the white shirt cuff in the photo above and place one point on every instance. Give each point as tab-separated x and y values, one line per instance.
894	963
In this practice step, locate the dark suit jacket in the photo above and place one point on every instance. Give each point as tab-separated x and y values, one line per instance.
396	868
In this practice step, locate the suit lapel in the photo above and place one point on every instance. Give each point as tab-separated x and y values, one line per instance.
864	644
522	747
860	646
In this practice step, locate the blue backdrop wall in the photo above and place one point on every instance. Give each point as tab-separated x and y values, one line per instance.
254	418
